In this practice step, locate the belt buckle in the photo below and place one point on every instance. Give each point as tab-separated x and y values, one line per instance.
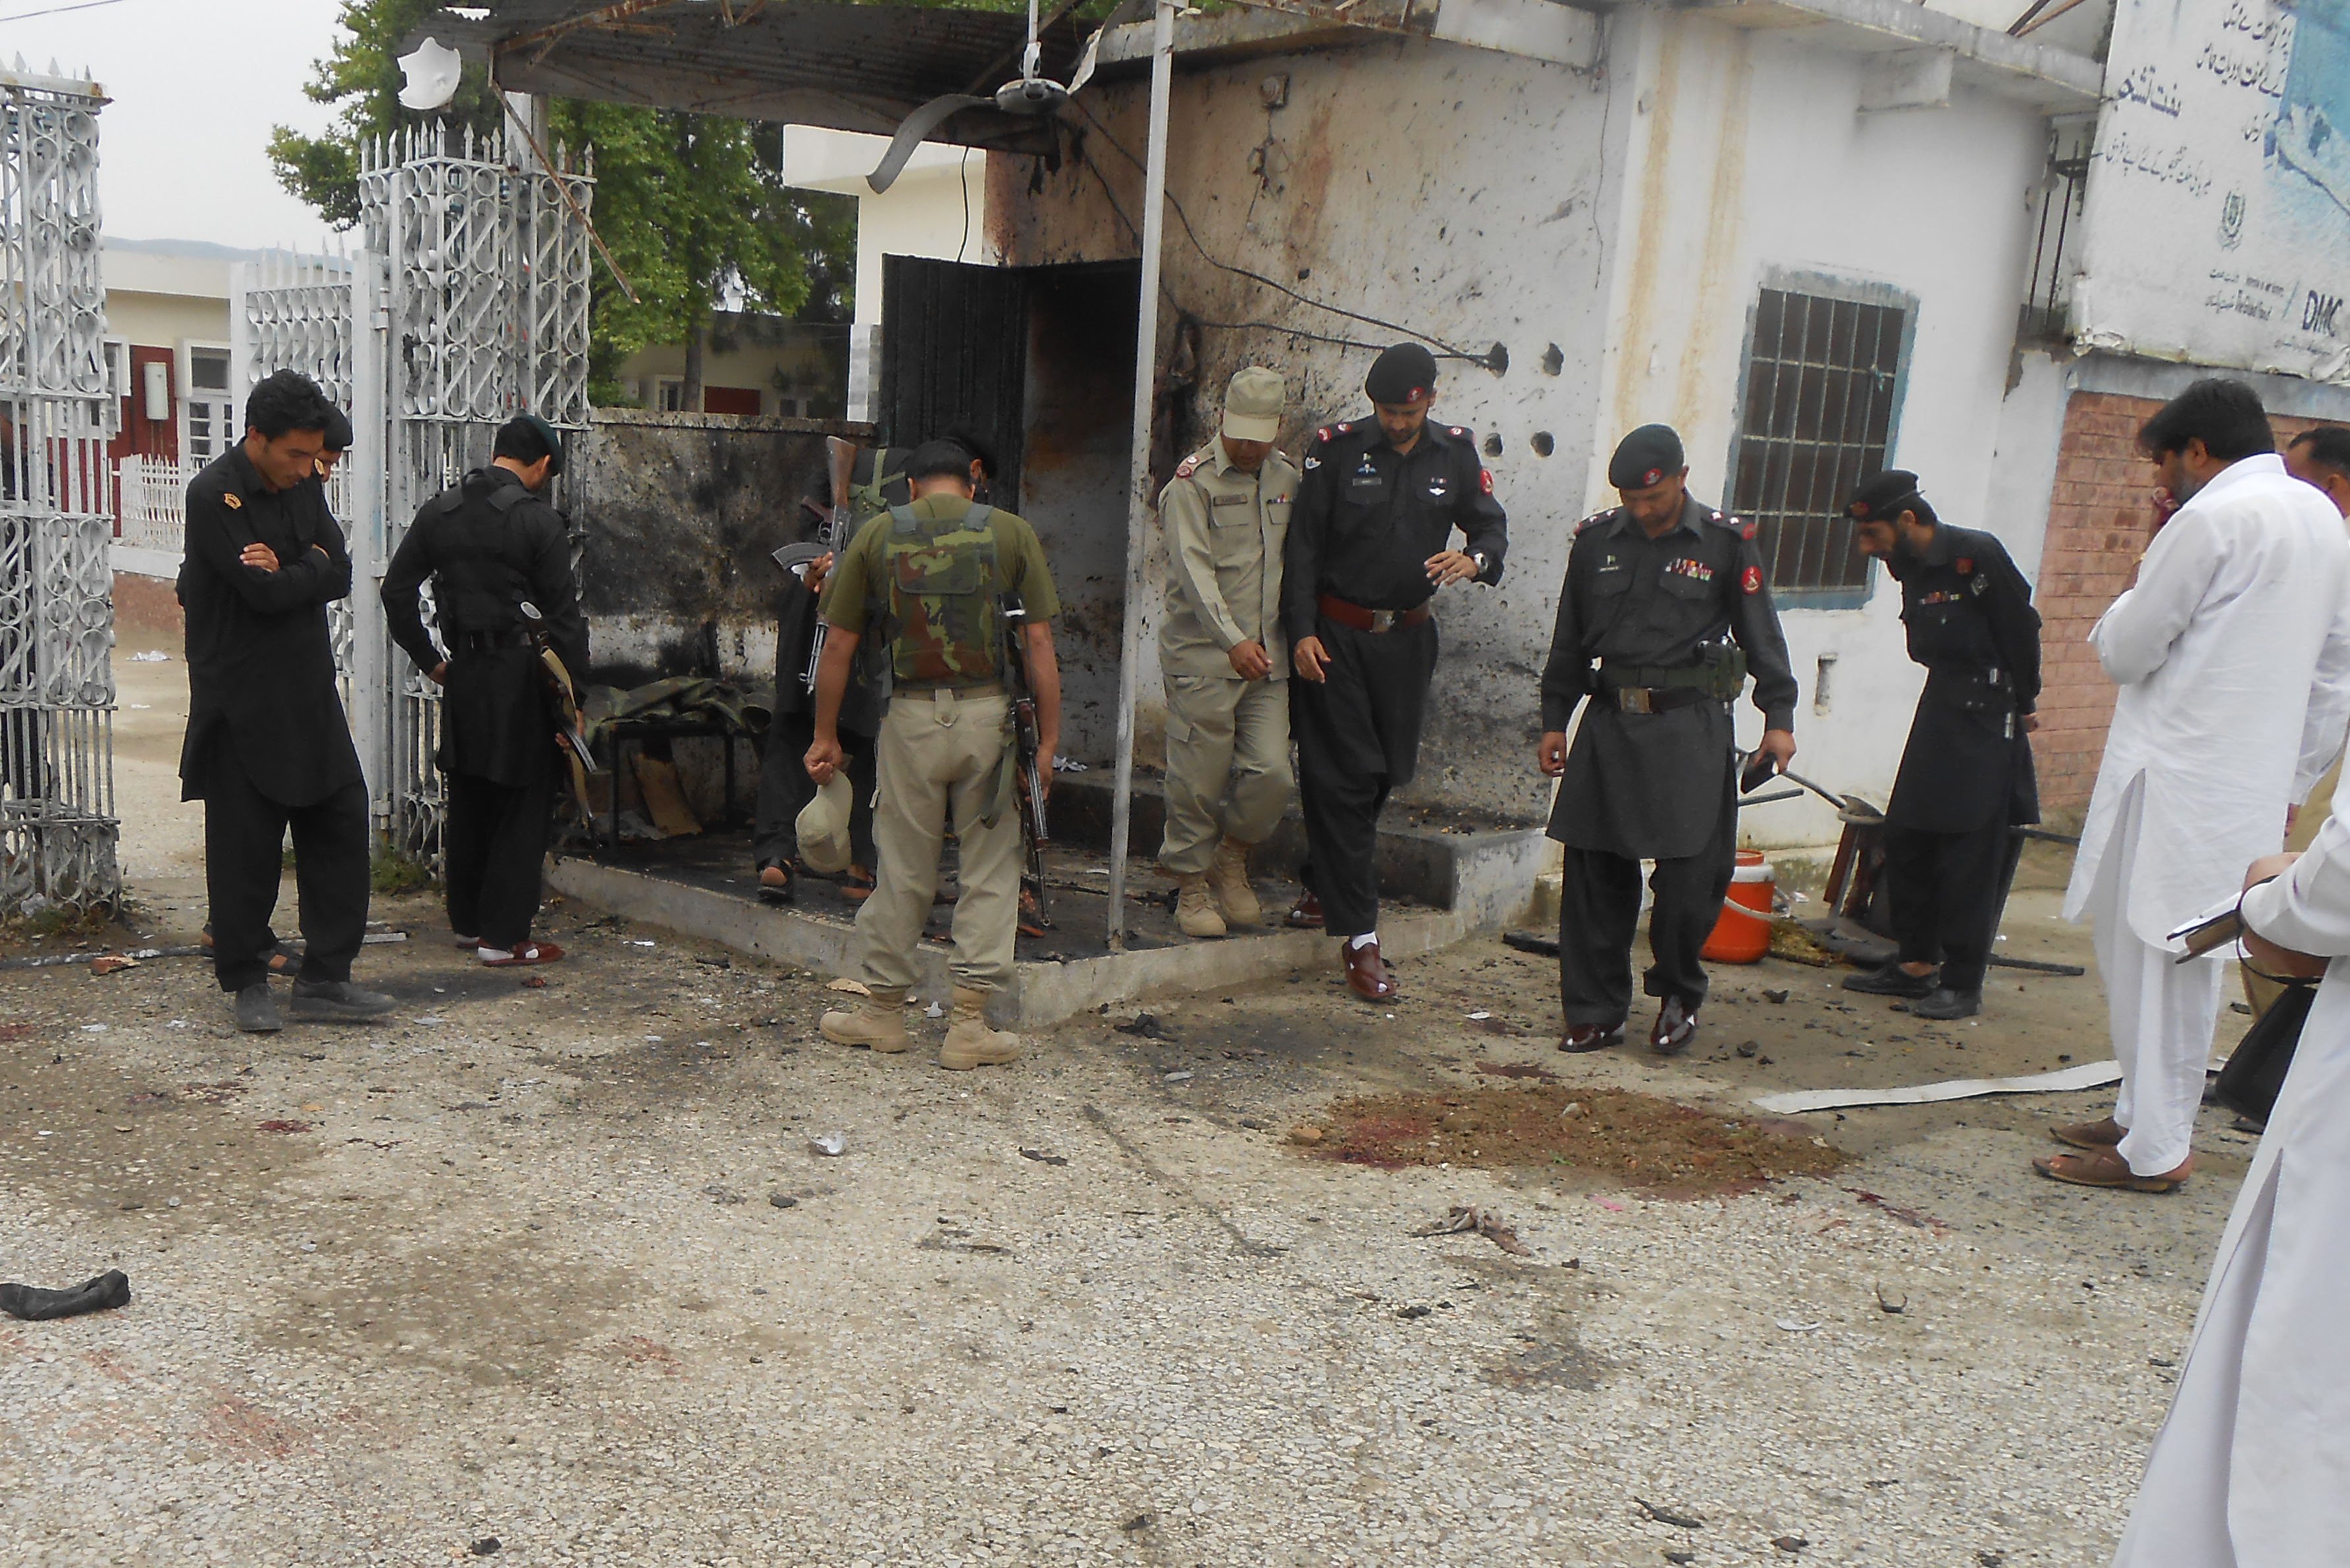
1636	699
1383	621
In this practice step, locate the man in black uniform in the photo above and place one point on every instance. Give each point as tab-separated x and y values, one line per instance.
877	483
1655	590
1369	544
268	747
490	544
1965	777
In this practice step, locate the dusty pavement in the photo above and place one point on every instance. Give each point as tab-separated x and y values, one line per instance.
558	1268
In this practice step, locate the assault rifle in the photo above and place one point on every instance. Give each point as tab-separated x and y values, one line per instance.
1032	768
563	706
840	457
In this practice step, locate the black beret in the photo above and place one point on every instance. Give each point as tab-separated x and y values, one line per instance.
338	432
1884	497
1650	455
548	439
1403	374
937	459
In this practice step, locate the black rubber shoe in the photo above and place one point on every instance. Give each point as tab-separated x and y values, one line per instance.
256	1010
1891	980
1945	1003
338	1000
32	1303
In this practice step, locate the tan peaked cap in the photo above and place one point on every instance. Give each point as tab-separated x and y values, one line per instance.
822	827
1252	404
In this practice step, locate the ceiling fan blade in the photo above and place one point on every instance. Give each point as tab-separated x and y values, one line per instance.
911	131
1084	72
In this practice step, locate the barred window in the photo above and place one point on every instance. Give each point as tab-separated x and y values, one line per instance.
1821	379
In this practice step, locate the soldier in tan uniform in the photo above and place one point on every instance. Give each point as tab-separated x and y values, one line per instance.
942	570
1226	662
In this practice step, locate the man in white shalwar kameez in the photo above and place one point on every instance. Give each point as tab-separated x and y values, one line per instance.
2232	652
2253	1467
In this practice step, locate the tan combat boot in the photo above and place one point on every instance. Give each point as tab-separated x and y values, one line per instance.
1228	879
969	1042
1195	906
877	1023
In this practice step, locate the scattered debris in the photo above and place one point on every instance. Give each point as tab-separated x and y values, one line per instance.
1182	1077
783	1200
1145	1026
1464	1220
2091	1076
1789	1544
934	1011
1915	1219
1795	1325
1991	1559
1679	1556
853	987
1255	1124
484	1546
151	655
715	961
1518	1070
1888	1304
1796	945
829	1143
112	963
286	1127
1673	1517
1140	1521
1530	942
1750	1047
1415	1312
1041	1157
1775	998
1639	1140
723	1195
533	982
35	1304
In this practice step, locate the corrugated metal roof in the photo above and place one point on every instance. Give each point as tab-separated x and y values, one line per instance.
850	68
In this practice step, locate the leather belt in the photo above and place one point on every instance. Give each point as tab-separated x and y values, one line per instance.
932	688
1660	691
1372	620
483	641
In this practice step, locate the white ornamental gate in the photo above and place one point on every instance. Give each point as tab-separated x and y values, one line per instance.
57	823
465	306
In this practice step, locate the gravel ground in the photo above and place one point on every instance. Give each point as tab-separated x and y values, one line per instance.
559	1268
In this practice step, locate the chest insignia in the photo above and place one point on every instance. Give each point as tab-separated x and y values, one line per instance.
232	501
1966	565
1312	464
1751	582
1939	597
1228	500
1438	488
1696	571
1280	501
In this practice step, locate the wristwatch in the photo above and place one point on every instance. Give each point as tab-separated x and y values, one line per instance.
1482	564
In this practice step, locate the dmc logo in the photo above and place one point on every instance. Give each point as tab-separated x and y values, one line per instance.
2232	221
2317	313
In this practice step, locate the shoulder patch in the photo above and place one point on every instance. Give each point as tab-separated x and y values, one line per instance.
1459	430
1326	433
1751	581
232	501
1748	530
1485	480
1189	466
1595	519
1346	426
1724	520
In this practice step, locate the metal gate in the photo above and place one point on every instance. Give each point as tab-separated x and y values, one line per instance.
955	350
57	823
466	305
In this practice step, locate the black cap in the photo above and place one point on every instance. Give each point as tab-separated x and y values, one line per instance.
936	458
1650	455
338	432
519	435
1403	374
1884	497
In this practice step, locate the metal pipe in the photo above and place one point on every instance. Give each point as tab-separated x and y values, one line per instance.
1140	504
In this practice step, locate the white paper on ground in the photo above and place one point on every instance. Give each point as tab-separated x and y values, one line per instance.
2090	1075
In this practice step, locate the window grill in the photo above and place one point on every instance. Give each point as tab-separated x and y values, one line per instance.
1821	379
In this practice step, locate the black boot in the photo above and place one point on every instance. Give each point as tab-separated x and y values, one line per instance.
1891	980
1946	1003
34	1305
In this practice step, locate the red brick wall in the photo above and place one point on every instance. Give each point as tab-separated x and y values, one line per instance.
2099	522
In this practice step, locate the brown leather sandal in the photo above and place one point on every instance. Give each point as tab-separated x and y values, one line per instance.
2106	1168
2105	1134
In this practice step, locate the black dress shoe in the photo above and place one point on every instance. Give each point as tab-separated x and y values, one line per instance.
1945	1003
1582	1037
1676	1027
1891	980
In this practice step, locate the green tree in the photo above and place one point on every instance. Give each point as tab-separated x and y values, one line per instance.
692	207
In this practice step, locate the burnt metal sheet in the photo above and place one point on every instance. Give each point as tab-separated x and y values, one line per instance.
848	67
956	351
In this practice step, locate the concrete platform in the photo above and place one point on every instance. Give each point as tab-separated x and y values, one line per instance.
1442	885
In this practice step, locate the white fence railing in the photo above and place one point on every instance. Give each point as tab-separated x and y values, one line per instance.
154	494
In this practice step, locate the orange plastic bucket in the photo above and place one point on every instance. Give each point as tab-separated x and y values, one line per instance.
1738	936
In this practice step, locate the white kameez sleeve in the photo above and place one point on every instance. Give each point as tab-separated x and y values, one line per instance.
2307	909
2134	636
2329	709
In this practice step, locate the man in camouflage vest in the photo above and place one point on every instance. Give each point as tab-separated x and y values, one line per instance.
942	569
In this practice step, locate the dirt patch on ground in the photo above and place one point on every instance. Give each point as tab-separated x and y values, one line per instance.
1638	1139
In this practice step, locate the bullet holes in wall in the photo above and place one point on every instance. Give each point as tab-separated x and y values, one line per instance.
1554	360
1497	359
1493	446
1543	443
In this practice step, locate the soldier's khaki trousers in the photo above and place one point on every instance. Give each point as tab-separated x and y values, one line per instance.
1224	735
940	754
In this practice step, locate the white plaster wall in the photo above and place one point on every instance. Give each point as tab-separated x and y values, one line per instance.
1747	153
2023	467
1628	218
